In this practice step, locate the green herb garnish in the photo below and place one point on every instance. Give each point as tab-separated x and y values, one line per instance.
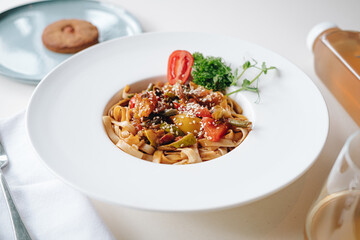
211	72
247	85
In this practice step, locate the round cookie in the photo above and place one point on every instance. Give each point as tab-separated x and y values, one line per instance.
70	35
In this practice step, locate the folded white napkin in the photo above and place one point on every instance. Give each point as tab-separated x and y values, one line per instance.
50	209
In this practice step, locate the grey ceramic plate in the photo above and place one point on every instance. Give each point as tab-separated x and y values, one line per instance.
24	57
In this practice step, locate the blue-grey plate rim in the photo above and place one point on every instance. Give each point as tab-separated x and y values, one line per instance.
28	79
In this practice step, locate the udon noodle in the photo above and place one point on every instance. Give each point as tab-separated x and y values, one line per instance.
176	124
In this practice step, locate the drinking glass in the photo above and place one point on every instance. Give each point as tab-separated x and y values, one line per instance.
336	212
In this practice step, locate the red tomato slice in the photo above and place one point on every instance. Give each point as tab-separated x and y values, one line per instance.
179	66
203	112
214	132
132	102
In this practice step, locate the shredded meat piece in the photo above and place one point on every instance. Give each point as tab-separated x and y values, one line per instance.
144	105
212	99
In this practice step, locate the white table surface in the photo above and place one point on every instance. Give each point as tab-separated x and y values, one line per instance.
278	25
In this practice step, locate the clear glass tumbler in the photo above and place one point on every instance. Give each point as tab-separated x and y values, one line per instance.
336	212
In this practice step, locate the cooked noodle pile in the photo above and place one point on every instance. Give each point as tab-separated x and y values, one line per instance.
176	124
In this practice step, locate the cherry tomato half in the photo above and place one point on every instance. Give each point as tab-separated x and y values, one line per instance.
179	66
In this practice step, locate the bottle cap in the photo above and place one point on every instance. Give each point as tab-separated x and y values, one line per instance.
316	31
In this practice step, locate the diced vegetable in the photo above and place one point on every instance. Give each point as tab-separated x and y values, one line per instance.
133	101
169	112
218	112
170	95
239	122
202	112
186	141
187	124
130	95
170	128
151	136
214	131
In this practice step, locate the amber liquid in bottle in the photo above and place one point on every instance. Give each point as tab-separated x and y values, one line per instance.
337	63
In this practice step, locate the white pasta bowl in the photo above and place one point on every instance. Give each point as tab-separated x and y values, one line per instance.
64	123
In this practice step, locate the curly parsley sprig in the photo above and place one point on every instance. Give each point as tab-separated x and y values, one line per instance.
211	72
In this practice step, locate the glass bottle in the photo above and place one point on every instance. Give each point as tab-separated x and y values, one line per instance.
337	63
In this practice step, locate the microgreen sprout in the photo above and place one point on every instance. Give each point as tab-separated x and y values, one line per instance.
248	85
